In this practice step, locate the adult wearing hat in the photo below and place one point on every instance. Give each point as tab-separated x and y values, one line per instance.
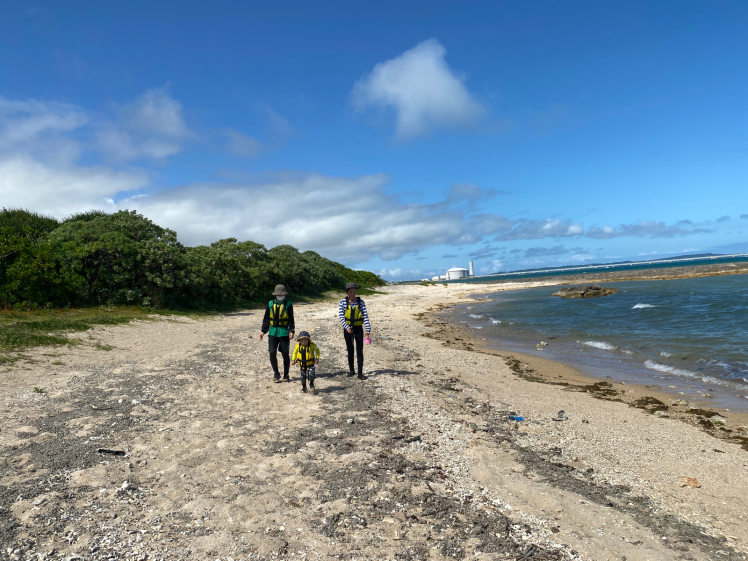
279	325
354	318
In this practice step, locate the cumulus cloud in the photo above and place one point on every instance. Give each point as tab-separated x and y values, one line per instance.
449	256
546	251
62	190
421	89
642	229
38	155
353	229
150	127
744	216
725	218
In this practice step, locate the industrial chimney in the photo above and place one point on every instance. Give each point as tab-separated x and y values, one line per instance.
472	273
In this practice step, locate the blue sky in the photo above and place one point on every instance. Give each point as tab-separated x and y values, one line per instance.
399	137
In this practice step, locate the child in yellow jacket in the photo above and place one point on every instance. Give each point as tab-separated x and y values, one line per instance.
306	355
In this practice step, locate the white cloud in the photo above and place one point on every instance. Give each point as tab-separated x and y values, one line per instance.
421	89
493	267
539	229
351	219
242	145
62	190
24	123
645	228
150	127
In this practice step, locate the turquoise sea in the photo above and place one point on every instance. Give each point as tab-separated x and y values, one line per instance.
690	335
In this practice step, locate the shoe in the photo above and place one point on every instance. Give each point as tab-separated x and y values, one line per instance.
286	378
276	378
361	377
303	388
351	374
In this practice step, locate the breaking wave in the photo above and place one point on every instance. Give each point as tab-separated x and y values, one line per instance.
599	345
652	365
642	306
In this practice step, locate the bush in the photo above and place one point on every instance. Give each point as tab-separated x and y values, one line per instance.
124	258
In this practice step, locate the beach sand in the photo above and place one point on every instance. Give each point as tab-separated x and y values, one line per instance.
419	461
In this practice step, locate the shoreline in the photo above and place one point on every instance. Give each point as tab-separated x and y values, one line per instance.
648	397
668	273
176	443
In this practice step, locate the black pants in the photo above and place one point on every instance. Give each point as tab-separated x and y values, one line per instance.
358	335
281	344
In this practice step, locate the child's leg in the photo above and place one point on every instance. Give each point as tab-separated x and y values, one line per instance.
311	376
304	373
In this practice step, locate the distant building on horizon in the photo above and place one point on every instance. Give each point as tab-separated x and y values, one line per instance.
455	273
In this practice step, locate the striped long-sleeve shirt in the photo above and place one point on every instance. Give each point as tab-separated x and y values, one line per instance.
341	313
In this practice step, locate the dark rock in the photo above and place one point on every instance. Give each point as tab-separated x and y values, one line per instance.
589	291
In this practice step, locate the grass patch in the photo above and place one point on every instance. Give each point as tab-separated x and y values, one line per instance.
20	330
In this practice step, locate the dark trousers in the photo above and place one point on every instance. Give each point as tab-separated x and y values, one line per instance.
358	336
307	374
281	344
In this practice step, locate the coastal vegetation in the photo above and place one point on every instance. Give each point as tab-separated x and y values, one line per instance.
100	268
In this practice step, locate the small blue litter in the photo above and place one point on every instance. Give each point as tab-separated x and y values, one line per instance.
515	418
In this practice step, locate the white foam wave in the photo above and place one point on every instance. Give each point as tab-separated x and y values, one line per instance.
652	365
476	316
642	306
495	321
599	345
475	327
665	354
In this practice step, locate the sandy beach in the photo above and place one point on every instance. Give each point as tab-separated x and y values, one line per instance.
420	461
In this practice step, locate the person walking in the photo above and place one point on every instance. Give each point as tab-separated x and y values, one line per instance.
278	323
355	319
306	355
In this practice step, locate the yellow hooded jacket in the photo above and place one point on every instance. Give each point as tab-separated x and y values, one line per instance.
305	355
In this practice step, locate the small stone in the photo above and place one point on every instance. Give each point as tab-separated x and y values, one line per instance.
350	421
661	413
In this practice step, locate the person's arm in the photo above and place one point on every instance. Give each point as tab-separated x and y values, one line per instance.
341	314
295	354
291	324
367	325
265	323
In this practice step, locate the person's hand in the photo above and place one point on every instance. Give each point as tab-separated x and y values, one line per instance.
349	330
261	336
290	335
368	334
316	361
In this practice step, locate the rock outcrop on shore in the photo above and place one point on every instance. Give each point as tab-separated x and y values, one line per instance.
589	291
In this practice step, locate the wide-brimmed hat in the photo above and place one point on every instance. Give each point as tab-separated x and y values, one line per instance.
280	290
350	285
304	335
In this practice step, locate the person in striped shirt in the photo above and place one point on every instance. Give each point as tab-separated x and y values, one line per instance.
355	320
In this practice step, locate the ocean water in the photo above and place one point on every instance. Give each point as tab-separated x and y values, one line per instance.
689	334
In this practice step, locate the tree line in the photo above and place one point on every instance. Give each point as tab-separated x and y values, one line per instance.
96	258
